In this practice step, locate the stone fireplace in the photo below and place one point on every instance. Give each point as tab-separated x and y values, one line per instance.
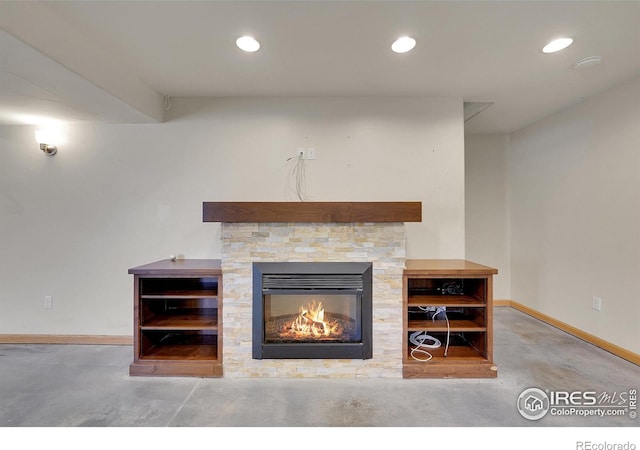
380	245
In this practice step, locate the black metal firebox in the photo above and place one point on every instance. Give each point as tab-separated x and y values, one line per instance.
312	310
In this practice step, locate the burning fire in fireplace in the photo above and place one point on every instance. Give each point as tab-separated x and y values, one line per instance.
311	322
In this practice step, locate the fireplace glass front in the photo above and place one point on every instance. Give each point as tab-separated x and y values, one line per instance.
312	318
312	310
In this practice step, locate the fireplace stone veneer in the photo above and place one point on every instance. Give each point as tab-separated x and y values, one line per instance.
381	244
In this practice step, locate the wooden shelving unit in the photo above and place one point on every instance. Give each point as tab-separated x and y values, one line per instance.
177	311
451	301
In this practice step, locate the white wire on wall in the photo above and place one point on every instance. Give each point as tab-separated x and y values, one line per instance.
298	176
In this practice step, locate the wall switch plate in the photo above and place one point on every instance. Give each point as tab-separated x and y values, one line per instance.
48	302
597	303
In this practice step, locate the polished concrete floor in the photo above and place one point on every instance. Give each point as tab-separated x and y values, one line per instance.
89	386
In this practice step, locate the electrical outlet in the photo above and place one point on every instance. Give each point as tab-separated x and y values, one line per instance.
48	302
307	153
310	153
597	303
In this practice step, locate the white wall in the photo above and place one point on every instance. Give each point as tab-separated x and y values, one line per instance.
117	196
487	211
574	183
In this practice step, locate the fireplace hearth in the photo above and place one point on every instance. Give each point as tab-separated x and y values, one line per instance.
312	310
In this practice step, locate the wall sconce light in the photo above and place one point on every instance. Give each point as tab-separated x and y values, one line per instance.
47	142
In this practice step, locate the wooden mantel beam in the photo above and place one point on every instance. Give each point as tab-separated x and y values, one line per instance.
311	212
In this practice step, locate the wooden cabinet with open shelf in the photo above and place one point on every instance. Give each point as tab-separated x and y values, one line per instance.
447	319
177	307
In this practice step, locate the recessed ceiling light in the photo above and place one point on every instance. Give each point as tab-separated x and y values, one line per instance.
248	44
588	62
403	44
557	45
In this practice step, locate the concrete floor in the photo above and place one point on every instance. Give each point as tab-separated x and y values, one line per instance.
89	386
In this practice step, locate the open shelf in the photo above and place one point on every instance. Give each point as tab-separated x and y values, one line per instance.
180	346
195	287
451	301
441	325
460	318
181	294
445	300
193	313
453	353
177	311
183	320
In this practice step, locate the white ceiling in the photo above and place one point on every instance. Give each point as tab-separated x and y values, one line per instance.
115	61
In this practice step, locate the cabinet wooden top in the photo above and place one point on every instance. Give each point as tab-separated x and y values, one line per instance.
179	267
446	267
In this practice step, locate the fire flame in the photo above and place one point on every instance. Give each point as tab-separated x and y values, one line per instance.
310	322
